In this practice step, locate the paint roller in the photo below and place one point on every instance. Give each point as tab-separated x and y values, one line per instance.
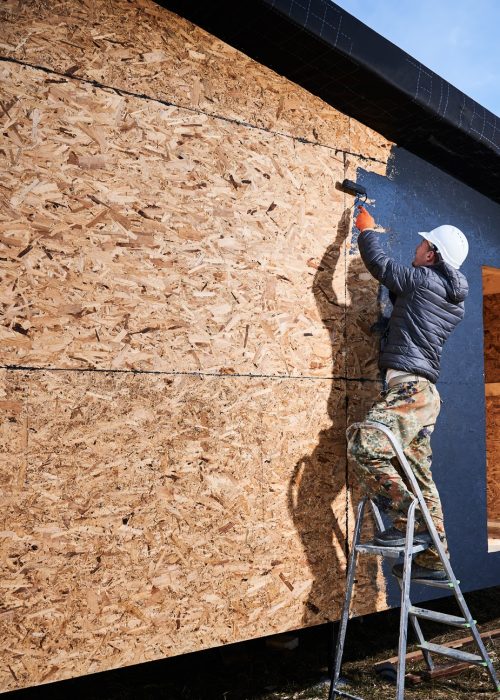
358	191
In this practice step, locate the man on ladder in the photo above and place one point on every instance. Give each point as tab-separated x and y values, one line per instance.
392	446
428	300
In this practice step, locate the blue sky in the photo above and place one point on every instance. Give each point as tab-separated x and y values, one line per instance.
459	40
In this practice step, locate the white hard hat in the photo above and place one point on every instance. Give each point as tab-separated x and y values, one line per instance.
450	242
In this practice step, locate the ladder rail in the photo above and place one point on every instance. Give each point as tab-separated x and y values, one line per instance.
405	602
351	571
419	634
377	517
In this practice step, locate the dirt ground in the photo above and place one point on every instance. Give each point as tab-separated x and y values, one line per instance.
257	670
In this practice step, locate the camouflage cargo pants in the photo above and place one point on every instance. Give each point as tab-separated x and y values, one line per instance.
410	410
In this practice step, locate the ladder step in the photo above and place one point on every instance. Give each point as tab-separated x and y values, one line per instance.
392	552
439	617
453	653
433	584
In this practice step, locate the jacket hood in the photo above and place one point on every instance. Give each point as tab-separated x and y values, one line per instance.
454	281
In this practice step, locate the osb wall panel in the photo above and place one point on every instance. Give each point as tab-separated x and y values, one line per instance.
493	456
150	240
145	49
156	515
13	434
146	515
491	324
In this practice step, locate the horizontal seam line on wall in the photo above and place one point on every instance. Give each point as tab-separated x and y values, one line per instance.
29	368
166	103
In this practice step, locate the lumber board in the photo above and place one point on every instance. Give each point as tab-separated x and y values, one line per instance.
493	456
494	528
453	644
491	281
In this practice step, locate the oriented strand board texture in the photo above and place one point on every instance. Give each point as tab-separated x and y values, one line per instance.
491	324
162	514
491	319
143	48
493	456
153	247
187	328
153	514
151	51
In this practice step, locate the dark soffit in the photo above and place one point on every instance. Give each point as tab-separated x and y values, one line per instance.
330	53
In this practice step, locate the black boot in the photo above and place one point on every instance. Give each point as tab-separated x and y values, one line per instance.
396	538
421	572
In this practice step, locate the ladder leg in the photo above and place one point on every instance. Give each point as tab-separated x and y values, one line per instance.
414	622
420	636
351	571
485	655
460	599
405	602
456	588
475	635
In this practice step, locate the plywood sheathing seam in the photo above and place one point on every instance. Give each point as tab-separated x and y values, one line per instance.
145	236
369	575
361	300
362	133
203	73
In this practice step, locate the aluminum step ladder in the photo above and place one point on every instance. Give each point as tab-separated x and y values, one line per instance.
408	611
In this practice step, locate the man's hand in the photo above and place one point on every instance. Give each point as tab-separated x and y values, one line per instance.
364	220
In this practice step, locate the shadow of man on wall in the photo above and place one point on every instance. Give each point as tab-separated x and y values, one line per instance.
318	491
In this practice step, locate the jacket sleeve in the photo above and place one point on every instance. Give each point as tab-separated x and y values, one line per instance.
399	279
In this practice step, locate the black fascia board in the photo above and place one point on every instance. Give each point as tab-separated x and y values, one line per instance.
330	53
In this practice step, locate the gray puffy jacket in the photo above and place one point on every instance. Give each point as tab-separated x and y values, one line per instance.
428	306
